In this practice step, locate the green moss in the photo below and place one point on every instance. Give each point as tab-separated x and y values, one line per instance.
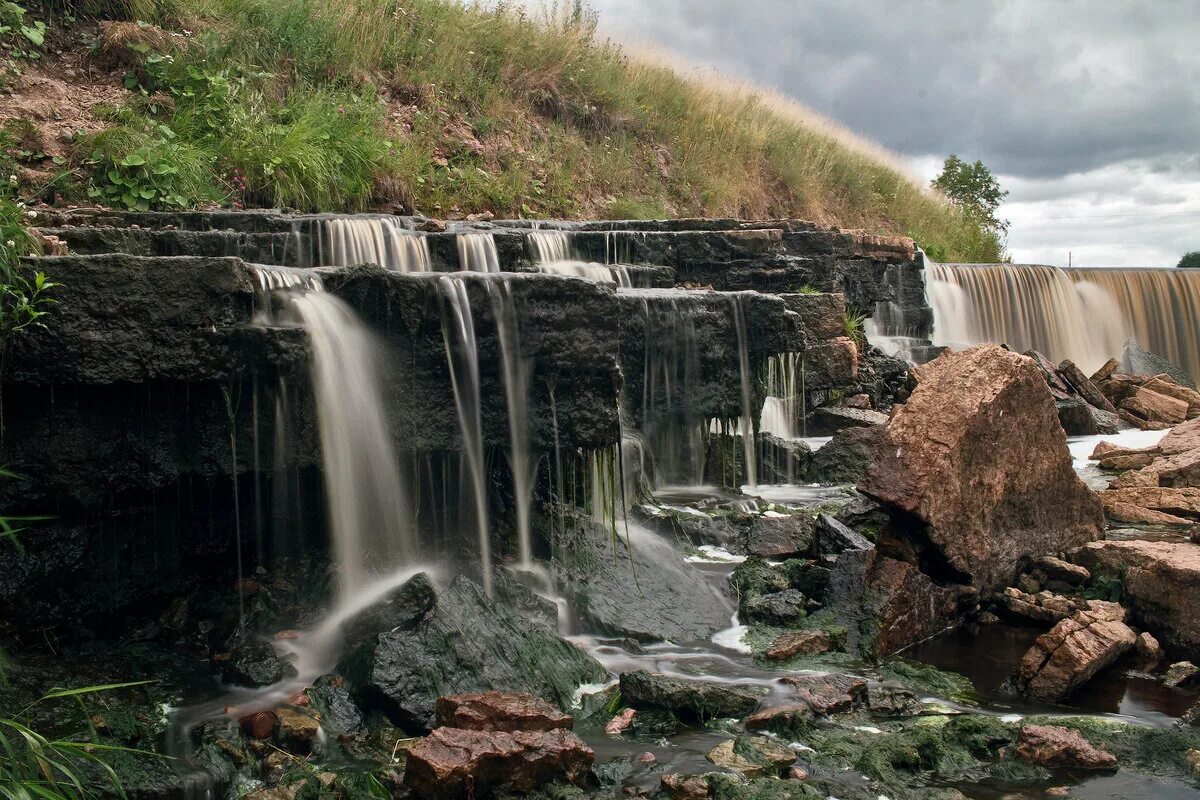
930	680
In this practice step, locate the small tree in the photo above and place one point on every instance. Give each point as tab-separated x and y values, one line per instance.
973	187
1191	259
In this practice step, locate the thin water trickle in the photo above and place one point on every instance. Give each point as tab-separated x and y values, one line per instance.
462	352
477	252
550	247
749	439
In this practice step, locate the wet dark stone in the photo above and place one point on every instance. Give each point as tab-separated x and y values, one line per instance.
339	713
782	608
466	644
836	538
847	457
781	537
254	662
1078	418
691	699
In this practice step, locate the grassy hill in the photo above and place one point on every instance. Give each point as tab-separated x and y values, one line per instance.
433	107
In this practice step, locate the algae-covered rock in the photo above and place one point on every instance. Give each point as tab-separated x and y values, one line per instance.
468	644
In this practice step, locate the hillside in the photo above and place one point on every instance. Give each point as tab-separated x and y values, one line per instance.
419	106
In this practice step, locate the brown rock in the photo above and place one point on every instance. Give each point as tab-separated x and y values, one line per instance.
796	643
685	787
1102	374
297	731
1161	582
977	459
1166	385
1050	570
1053	746
451	763
1182	673
1193	762
752	756
1170	501
828	694
1149	648
432	226
1137	422
1074	651
1151	406
1194	534
1058	388
1044	607
500	711
778	718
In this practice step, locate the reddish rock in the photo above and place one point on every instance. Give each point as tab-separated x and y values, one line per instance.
796	643
500	711
1073	652
890	603
1043	607
1165	385
1153	504
1151	406
1084	386
1054	746
620	723
1161	582
1148	648
779	717
452	763
297	731
828	694
975	468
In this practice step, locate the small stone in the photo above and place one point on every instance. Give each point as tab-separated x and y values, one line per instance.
685	787
752	756
893	701
432	226
796	643
1028	585
1194	534
297	732
780	718
647	758
1180	673
797	774
780	608
828	694
987	618
1193	761
1148	647
1055	746
620	723
1058	791
702	700
1055	569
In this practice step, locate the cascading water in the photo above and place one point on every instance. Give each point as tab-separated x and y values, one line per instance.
782	411
548	247
477	252
1084	315
462	352
901	326
516	388
347	241
749	449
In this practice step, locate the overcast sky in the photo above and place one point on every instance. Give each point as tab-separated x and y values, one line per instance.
1089	112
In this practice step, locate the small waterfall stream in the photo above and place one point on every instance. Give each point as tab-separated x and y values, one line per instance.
554	254
749	439
477	252
346	241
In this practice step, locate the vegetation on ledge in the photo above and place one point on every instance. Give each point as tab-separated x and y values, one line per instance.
444	109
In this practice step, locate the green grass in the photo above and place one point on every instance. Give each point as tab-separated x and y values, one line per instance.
455	109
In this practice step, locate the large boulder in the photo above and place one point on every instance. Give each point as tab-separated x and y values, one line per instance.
500	711
1073	652
1161	582
976	473
456	764
466	643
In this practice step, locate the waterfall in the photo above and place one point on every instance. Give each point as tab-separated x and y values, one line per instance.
549	247
516	389
347	241
477	252
749	449
598	273
462	352
781	408
372	527
900	326
1084	315
672	430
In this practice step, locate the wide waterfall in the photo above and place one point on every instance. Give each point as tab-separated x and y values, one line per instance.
548	247
1084	315
346	241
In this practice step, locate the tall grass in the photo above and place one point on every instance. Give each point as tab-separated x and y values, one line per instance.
492	108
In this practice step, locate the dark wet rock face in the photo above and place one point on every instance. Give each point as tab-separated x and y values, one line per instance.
687	698
468	644
847	457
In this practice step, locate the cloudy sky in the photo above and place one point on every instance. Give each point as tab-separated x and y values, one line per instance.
1088	111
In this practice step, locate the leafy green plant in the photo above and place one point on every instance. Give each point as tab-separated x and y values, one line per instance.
34	766
854	326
